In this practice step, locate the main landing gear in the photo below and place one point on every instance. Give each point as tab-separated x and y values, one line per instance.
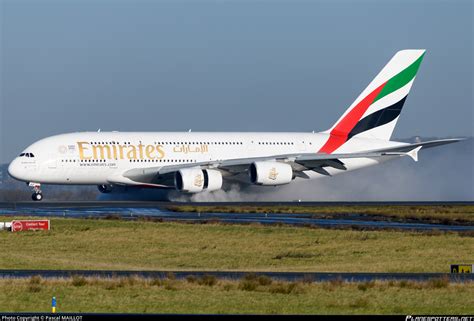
37	194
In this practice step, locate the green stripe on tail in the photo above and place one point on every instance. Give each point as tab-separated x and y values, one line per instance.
401	79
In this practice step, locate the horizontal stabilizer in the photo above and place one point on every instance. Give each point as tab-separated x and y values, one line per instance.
429	144
414	153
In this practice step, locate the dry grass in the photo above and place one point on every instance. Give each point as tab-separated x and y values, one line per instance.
223	296
139	245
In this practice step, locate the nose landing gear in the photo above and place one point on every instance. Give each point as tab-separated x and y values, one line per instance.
37	194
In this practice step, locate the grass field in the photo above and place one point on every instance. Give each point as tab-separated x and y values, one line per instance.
142	245
444	214
261	295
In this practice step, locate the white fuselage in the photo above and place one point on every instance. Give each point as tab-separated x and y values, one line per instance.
94	157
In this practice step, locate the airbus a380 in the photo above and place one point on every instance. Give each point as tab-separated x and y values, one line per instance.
193	162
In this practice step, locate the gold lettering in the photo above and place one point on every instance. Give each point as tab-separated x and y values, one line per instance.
149	151
121	147
82	149
140	150
114	149
101	149
120	151
132	153
186	149
159	149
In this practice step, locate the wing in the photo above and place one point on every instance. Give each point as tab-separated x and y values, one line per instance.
163	177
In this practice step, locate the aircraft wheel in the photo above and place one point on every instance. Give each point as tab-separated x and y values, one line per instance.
37	196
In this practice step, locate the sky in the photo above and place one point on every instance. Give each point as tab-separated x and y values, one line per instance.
69	66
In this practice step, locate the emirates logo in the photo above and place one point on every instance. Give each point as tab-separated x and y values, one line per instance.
272	174
198	181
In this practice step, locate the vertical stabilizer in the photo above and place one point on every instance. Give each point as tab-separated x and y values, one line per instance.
375	112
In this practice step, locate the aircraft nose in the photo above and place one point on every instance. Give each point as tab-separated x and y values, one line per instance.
14	169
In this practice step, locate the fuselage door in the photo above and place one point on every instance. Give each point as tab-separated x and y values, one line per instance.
250	146
52	161
301	144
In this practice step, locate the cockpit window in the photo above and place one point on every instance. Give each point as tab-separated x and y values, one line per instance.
27	155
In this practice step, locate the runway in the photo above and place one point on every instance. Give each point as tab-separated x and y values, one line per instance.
237	275
157	211
159	204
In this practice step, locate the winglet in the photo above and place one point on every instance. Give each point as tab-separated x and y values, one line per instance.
414	153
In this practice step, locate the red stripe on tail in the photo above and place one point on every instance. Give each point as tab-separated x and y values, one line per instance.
340	132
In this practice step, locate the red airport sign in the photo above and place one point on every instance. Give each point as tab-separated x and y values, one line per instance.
30	225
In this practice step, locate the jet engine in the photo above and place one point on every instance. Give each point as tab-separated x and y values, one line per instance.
195	180
270	173
212	180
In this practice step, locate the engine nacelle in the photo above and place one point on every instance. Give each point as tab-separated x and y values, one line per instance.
190	180
105	188
212	180
195	180
270	173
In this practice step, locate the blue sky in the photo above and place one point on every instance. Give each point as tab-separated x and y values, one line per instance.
224	65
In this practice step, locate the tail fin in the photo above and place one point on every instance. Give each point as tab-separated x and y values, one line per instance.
375	112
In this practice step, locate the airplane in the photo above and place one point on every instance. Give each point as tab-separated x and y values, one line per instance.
193	162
